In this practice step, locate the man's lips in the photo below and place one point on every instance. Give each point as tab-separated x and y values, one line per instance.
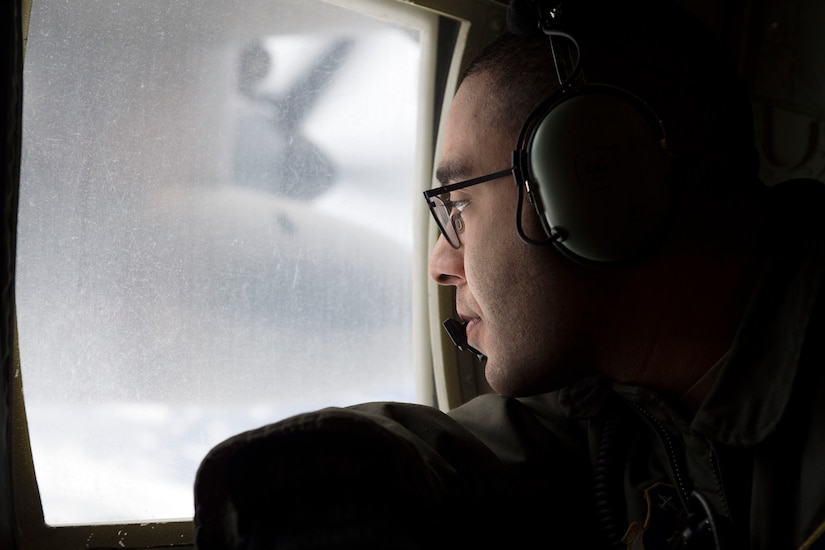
470	324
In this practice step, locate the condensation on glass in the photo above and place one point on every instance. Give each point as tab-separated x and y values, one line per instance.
215	232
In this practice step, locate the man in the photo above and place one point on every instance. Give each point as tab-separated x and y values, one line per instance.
662	393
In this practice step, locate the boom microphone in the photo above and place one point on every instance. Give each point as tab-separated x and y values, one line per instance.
458	334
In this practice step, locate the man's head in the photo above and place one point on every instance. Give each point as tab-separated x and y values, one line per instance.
536	315
512	293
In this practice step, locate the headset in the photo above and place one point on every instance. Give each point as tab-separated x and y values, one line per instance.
594	161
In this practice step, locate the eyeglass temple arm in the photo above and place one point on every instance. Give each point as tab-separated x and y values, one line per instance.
521	181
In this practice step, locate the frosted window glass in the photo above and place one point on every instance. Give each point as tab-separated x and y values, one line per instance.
215	232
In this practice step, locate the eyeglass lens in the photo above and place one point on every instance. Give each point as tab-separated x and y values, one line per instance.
441	213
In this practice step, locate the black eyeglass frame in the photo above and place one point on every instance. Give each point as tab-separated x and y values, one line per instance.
432	195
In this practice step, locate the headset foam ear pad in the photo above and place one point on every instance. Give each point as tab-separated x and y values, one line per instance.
599	164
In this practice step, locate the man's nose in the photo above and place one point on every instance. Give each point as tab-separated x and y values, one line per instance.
446	265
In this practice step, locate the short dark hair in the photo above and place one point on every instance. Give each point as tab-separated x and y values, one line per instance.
519	68
655	50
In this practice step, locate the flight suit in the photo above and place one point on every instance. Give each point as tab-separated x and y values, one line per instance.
744	450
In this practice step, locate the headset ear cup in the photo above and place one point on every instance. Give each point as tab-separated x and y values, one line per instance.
598	169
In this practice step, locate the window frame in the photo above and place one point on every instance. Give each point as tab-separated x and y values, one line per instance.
446	378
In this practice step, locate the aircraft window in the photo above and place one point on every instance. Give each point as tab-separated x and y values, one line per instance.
215	232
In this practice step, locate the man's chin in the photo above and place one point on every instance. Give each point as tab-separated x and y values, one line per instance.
510	382
505	382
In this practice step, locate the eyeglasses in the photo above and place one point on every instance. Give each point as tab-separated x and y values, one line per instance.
447	213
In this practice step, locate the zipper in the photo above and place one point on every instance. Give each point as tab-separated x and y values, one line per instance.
720	489
700	517
665	436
